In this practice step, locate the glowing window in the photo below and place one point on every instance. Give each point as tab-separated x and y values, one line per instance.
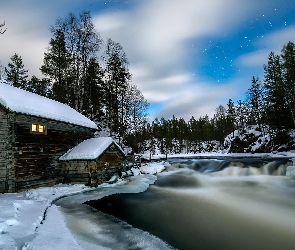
34	127
38	128
41	128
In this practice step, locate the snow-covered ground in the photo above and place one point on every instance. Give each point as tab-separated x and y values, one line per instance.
34	220
31	220
289	154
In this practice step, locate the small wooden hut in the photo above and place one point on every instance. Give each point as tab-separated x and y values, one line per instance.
34	132
92	161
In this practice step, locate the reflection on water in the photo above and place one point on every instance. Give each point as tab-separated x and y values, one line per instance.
96	230
214	204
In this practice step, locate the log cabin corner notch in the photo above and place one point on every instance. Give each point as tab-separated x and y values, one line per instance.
34	132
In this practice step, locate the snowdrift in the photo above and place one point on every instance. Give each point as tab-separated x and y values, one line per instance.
255	139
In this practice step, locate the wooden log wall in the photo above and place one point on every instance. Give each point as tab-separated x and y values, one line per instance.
93	172
36	155
4	131
87	172
30	160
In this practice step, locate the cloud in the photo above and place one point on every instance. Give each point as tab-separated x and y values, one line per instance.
254	59
27	33
109	22
155	35
153	86
24	37
158	30
277	39
28	49
272	42
28	23
200	99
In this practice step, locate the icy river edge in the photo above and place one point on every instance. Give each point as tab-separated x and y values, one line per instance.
22	213
31	220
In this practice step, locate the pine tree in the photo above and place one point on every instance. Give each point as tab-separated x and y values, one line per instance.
74	44
231	116
15	73
242	112
276	108
255	100
220	123
162	136
117	77
193	131
183	134
288	67
93	97
56	67
39	86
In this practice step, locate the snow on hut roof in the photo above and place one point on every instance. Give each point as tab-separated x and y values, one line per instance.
89	149
21	101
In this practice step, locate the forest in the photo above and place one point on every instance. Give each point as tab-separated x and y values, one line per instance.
269	107
92	76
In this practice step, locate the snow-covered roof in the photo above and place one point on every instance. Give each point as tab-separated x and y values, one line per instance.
89	149
25	102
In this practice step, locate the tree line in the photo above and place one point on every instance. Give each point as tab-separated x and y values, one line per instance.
77	71
96	82
269	103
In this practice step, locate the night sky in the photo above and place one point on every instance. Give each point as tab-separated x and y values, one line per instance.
186	56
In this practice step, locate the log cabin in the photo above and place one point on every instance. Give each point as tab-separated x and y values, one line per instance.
93	161
34	133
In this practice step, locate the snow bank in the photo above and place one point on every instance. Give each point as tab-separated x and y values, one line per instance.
255	139
56	233
22	213
152	168
25	102
28	220
134	184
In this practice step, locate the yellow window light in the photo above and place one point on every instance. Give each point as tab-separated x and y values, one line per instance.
34	127
38	128
41	128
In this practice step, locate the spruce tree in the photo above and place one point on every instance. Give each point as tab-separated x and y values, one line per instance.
231	116
276	108
74	44
242	112
15	73
220	123
56	66
255	100
39	86
288	68
117	77
93	97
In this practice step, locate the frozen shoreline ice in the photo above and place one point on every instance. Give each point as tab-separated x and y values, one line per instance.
28	219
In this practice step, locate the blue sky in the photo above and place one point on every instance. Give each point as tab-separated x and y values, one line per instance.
186	56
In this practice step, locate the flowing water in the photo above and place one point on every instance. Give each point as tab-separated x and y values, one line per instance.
199	204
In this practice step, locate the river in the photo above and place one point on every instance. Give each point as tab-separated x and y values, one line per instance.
220	203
